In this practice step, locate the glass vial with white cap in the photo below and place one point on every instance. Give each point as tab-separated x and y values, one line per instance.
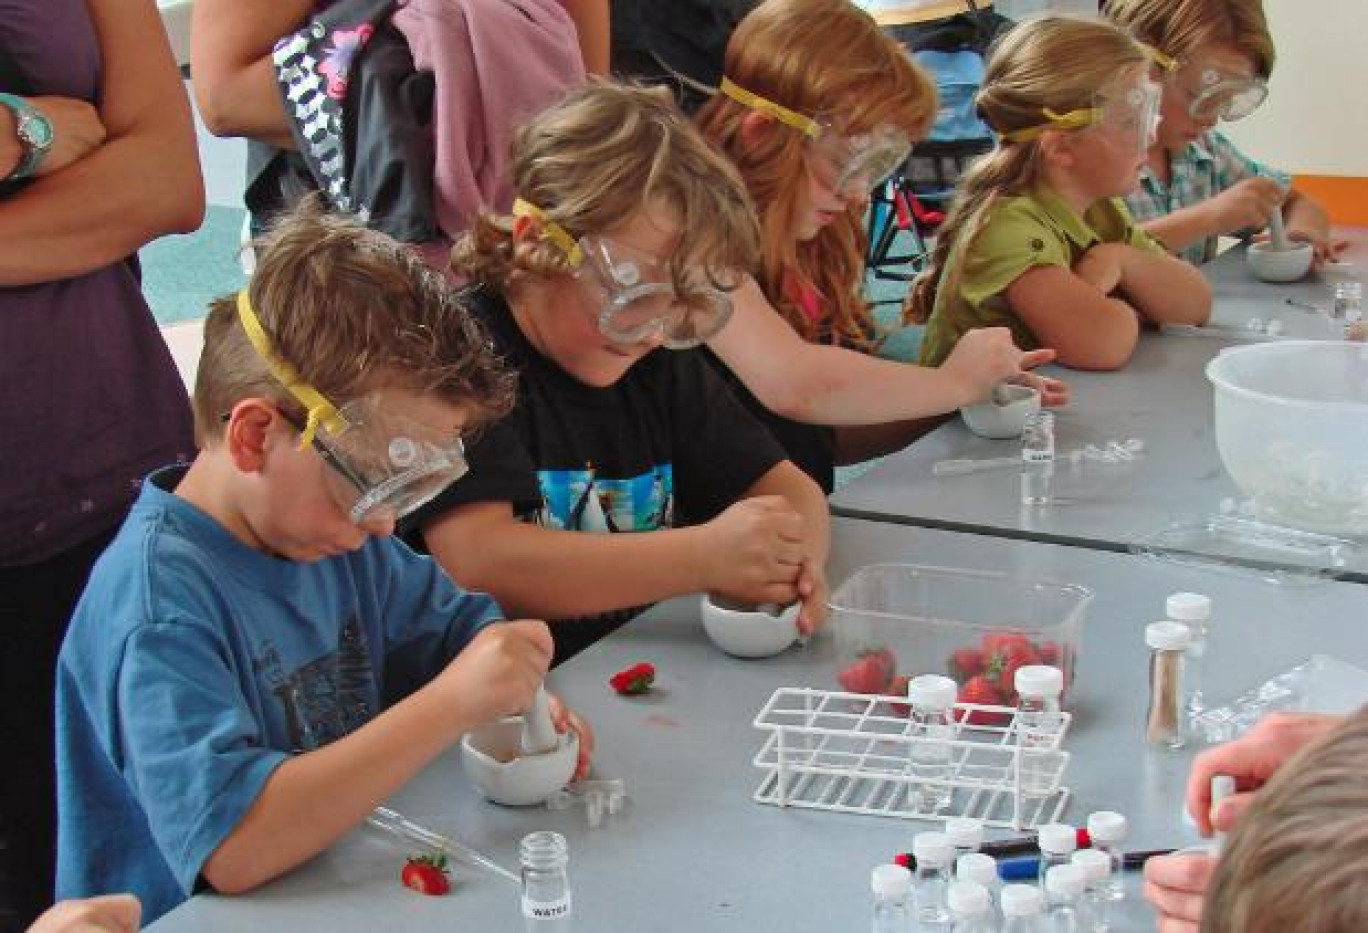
1095	904
1168	643
934	856
971	908
1057	842
1108	829
965	834
1038	723
979	868
1194	611
1038	456
1064	885
546	903
1023	909
892	887
931	724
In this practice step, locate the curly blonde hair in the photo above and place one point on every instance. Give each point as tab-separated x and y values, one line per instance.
818	58
1178	28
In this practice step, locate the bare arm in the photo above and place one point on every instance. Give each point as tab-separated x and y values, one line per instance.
1165	289
142	182
592	23
230	55
1087	329
822	384
313	799
1244	205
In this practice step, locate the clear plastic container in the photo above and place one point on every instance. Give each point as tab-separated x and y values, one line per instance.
894	620
1292	430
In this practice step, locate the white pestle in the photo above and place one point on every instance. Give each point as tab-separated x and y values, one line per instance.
1277	233
1002	395
539	733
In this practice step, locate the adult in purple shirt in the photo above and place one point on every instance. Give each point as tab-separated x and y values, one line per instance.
90	399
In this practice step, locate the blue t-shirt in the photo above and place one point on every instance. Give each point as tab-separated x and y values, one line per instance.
195	665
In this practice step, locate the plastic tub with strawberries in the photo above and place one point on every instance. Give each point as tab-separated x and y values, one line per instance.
895	621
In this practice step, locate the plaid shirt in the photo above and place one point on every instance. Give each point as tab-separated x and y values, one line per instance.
1201	171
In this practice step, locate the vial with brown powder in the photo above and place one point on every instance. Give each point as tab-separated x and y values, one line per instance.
1168	642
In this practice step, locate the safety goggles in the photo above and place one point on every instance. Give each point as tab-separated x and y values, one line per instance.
637	297
849	164
382	465
1210	92
1128	117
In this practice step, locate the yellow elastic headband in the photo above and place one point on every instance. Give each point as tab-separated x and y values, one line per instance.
1165	62
321	411
794	119
1073	120
551	231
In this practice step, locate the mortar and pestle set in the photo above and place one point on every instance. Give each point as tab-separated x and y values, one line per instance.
521	760
1279	259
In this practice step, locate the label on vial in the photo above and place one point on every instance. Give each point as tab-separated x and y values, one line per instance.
546	910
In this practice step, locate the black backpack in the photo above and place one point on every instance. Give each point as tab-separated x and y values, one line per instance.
680	44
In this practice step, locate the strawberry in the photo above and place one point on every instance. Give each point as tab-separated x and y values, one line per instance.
1001	642
898	688
1049	652
965	663
426	874
980	690
635	680
872	673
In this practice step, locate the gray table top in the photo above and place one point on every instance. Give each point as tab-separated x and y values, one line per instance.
693	852
1161	397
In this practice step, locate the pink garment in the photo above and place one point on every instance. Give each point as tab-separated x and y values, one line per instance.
496	63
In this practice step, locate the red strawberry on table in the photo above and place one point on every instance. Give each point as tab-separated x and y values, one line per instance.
635	680
980	690
871	673
426	874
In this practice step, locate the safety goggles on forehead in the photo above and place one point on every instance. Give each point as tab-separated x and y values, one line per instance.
638	297
1212	93
382	465
845	163
1129	116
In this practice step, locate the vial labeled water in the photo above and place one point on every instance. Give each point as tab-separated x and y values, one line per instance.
931	881
931	724
892	887
546	903
1038	724
1348	299
1108	831
1038	458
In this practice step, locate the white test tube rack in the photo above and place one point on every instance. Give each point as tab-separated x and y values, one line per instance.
852	753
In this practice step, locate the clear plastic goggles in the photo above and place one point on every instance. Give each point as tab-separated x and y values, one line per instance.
1212	93
383	466
1128	117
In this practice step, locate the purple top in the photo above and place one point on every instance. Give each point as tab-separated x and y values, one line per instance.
90	400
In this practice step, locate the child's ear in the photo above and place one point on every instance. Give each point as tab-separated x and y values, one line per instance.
245	433
1057	149
756	127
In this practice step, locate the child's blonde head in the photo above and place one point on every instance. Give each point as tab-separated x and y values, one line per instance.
597	158
350	310
1180	28
825	59
1051	63
1298	857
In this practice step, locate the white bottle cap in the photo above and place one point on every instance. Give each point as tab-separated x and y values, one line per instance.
933	849
968	899
965	832
1188	607
1067	880
1095	864
976	866
1168	636
1058	838
931	691
1021	900
1039	681
1107	826
890	881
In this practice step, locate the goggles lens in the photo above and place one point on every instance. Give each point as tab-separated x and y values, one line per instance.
1130	116
1214	94
856	165
383	467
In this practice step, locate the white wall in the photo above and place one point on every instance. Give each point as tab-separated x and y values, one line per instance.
1315	121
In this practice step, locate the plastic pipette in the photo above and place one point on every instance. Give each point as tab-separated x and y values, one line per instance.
1222	786
396	825
960	467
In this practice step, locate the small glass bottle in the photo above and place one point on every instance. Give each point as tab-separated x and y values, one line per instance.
1348	298
1064	885
980	869
965	834
1038	456
1057	842
934	856
892	887
1038	723
1095	905
931	723
1168	642
971	908
546	904
1194	611
1108	830
1023	907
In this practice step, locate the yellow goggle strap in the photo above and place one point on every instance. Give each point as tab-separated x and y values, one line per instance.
550	230
1073	120
321	411
806	125
1166	62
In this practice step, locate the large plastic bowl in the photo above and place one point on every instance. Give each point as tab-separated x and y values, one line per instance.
1292	429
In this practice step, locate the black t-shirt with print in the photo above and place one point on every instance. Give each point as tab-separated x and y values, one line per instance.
666	445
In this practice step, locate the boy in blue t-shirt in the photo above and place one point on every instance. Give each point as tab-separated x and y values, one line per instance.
255	663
